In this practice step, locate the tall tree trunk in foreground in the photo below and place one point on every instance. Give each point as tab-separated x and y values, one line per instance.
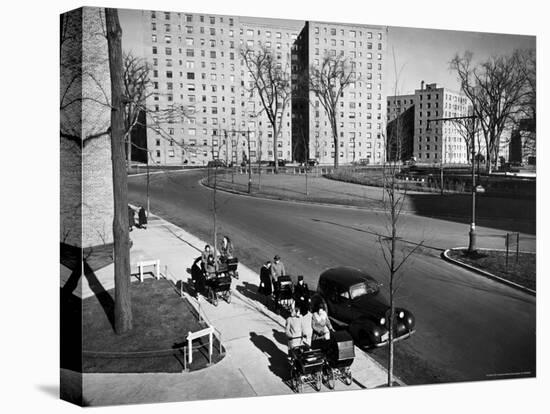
123	306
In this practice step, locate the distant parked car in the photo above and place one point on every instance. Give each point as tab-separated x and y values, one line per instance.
312	162
354	299
364	161
282	163
216	163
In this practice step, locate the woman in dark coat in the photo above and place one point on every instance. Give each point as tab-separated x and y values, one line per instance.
131	221
301	293
142	218
265	287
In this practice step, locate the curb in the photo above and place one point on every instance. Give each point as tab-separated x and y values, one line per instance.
445	256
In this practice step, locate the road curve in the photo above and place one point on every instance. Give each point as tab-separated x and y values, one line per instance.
468	327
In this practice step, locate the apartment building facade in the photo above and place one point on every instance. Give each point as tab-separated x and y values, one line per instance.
433	141
362	105
196	65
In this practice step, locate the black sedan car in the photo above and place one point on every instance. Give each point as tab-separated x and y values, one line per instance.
354	300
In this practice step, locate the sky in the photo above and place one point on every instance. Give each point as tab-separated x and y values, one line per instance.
420	54
424	54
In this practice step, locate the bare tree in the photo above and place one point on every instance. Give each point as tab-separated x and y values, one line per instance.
123	305
395	252
272	84
328	82
136	73
498	88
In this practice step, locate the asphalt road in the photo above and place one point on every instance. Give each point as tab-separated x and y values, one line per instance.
468	327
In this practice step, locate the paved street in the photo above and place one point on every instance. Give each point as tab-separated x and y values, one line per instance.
468	327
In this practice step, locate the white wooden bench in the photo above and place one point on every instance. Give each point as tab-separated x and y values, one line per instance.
146	263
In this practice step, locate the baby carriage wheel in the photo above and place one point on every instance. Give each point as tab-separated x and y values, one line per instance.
213	296
348	378
318	376
329	377
295	380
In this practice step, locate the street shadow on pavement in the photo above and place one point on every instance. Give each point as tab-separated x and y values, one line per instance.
507	214
280	337
250	290
278	360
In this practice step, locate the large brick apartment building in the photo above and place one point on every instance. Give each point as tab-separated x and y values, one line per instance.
362	104
438	142
196	64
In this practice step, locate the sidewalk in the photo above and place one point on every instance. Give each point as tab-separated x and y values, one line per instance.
256	353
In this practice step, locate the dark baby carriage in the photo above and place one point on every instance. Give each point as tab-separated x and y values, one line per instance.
306	366
339	357
219	285
284	298
232	264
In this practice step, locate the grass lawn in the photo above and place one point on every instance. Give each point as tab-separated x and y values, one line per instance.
493	261
161	320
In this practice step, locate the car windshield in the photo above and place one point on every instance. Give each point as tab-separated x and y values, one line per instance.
363	288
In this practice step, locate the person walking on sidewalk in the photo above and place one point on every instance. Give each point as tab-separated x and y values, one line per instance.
131	221
301	293
293	329
142	218
277	269
226	248
307	330
204	256
265	288
320	323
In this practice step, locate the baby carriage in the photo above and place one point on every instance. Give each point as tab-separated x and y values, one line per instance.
219	285
232	264
284	298
339	357
306	366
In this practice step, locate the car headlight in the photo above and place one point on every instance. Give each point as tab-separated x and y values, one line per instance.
382	321
401	315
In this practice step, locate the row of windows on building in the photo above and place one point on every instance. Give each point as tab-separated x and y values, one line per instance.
212	31
351	33
189	41
350	43
189	18
352	53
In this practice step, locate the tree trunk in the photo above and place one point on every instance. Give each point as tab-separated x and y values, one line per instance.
335	139
392	274
123	306
276	160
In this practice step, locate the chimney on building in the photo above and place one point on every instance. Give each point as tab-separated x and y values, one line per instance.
422	85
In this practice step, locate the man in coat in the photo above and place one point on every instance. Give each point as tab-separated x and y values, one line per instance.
301	293
277	269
